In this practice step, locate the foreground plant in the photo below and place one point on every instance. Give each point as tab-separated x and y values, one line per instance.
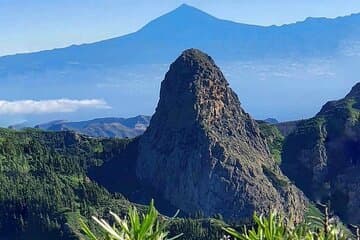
135	226
266	228
274	228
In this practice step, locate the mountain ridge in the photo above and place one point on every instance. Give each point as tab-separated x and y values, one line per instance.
181	16
189	7
101	127
321	155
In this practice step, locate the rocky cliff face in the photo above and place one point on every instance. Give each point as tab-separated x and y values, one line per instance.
322	156
203	152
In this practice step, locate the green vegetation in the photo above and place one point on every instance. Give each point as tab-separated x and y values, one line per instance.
197	229
149	226
135	227
309	135
152	226
321	155
275	227
273	138
346	109
45	188
46	185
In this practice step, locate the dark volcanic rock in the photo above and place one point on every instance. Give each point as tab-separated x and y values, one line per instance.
322	156
204	153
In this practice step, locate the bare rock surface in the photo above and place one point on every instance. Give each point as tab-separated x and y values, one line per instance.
204	153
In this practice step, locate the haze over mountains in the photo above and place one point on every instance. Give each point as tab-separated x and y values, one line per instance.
187	26
101	127
315	58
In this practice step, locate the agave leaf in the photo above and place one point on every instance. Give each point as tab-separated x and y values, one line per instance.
86	230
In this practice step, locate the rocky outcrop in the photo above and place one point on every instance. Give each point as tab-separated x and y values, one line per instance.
322	156
204	153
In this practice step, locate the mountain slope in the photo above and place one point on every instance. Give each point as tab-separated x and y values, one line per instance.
102	127
46	186
202	151
169	34
322	156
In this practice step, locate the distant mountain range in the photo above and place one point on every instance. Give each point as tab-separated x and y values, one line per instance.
112	127
101	127
163	38
263	64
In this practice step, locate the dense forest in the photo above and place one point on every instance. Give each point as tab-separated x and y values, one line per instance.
45	186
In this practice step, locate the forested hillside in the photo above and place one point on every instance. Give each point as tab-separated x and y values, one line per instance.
44	187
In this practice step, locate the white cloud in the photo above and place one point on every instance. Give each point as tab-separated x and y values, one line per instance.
50	106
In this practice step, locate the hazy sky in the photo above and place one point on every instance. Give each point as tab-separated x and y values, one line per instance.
31	25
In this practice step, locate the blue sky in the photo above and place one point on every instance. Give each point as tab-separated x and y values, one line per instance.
32	25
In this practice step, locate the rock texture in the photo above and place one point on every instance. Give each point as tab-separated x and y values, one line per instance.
322	156
204	153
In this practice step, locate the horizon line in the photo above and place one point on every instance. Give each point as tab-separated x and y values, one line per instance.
174	10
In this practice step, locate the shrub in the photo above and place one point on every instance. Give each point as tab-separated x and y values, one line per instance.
275	228
135	227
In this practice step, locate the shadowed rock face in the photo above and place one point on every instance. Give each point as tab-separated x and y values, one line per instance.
322	156
203	152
